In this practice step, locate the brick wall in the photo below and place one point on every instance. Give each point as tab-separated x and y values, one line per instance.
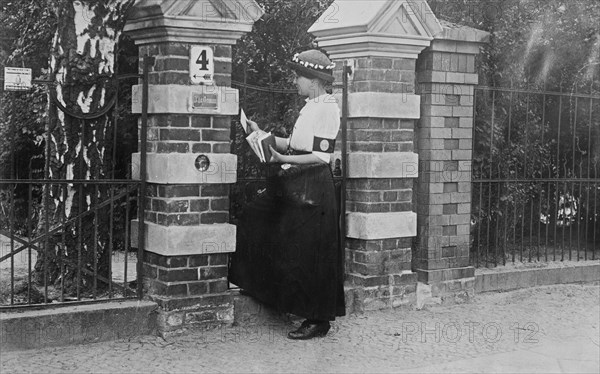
380	74
379	195
186	275
188	133
380	135
187	204
378	257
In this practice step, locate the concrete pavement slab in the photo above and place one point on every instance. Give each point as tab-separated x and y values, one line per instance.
550	329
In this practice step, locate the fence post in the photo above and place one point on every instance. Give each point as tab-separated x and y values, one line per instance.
446	77
189	165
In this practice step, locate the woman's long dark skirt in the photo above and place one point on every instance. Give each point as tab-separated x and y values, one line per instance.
288	253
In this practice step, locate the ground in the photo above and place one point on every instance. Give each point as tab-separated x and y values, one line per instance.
21	279
543	329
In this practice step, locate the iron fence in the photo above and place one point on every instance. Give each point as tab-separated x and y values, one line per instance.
535	177
65	234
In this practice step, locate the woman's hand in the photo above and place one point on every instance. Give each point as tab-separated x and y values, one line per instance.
253	125
275	156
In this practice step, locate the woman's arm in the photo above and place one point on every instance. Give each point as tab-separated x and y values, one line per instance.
282	146
295	159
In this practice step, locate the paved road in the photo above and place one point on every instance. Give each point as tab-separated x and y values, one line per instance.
552	329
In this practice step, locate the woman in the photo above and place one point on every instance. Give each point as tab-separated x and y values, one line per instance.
288	253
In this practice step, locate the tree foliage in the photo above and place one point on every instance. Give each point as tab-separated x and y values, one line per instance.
24	113
23	116
550	44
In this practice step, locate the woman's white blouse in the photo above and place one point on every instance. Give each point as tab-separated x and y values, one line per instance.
320	118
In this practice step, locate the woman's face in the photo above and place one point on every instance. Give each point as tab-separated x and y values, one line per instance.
305	85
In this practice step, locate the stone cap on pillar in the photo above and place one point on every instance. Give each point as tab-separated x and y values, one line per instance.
192	21
459	38
454	31
385	28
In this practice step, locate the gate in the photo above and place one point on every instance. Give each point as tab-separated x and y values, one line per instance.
65	234
536	182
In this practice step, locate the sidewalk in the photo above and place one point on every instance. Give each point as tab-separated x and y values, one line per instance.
551	329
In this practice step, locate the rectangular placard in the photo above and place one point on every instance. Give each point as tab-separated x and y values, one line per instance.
17	79
205	101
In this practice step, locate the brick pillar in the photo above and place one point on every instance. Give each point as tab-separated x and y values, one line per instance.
382	166
446	77
381	47
188	235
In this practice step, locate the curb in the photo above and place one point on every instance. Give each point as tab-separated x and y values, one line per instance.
70	325
506	279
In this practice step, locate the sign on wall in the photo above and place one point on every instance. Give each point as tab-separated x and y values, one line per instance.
17	79
205	101
202	66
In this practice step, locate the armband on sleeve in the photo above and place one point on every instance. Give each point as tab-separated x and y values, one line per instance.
323	145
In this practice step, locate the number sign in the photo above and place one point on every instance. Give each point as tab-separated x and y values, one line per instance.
202	65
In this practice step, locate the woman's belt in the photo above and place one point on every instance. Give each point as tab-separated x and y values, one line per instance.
300	184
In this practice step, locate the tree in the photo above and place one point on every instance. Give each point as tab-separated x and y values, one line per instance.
82	64
82	35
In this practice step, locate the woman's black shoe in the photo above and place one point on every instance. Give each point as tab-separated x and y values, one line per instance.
309	331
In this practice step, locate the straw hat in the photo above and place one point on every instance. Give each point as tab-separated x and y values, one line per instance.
313	64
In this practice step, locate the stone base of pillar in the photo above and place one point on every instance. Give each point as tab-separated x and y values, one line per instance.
190	290
187	314
364	293
451	286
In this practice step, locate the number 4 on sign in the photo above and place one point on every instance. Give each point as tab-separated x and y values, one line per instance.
202	60
201	65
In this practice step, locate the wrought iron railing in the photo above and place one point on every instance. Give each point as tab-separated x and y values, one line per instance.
67	241
535	182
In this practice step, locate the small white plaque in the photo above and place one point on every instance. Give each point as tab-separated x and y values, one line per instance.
202	66
17	79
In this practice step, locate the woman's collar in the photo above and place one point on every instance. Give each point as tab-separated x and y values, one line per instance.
318	99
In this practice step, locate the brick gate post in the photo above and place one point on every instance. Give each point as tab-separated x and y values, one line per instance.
446	77
188	236
381	41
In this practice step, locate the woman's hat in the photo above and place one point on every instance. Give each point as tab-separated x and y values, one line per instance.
313	64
